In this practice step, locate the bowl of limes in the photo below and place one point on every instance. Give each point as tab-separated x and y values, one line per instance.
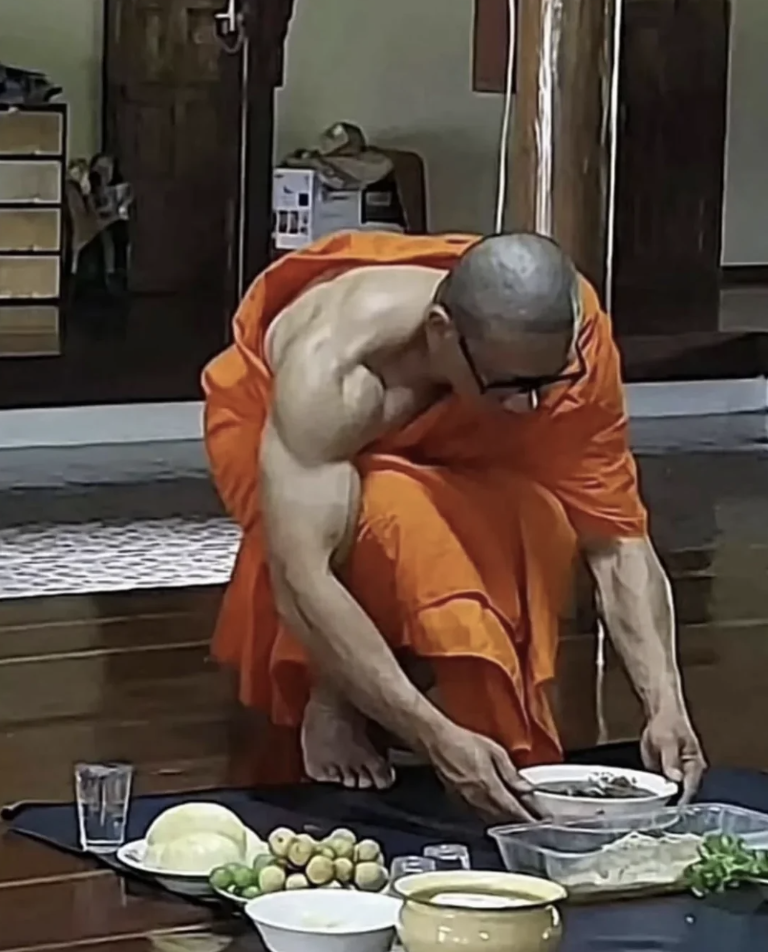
301	861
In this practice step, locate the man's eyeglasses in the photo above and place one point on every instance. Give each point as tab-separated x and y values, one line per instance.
523	384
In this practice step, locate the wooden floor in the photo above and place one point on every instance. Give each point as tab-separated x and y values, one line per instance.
127	676
103	677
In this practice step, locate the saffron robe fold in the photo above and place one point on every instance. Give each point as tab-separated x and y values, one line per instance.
470	518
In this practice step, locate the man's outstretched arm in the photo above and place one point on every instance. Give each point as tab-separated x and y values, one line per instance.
635	600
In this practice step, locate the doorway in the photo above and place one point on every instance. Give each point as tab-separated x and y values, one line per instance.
154	163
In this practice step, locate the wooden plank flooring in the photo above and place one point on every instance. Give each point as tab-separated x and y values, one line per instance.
128	676
113	676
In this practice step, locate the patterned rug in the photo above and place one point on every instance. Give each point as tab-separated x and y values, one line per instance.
87	557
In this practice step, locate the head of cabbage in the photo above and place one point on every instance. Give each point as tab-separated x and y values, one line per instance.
188	818
194	838
193	854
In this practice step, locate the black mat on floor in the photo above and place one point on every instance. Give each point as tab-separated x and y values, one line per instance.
417	812
413	814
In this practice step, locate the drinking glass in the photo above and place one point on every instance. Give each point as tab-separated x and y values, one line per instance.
103	793
448	856
408	865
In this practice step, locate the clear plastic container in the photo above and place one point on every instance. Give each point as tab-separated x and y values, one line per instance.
624	854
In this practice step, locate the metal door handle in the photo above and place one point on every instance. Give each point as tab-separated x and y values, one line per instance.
227	19
230	27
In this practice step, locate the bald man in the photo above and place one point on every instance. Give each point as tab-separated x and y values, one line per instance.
418	435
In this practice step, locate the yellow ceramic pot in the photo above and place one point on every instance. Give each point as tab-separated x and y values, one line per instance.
476	911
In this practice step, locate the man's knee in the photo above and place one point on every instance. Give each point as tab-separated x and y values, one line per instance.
395	517
391	498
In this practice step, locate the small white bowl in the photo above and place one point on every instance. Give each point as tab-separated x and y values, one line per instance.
559	805
325	920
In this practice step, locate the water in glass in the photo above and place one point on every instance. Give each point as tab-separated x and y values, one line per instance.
103	793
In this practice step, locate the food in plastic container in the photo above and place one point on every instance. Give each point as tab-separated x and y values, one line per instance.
627	853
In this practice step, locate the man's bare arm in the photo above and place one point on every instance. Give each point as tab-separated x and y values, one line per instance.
310	501
635	599
636	603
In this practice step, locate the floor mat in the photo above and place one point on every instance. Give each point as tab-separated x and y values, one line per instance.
81	558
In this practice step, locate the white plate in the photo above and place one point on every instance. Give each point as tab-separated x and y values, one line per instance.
230	897
188	884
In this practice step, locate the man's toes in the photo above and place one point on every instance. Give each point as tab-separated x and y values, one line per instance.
323	773
348	778
364	778
382	774
315	773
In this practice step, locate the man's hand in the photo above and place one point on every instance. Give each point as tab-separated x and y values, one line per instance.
482	773
670	745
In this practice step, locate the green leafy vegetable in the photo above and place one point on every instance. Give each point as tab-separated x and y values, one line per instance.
725	863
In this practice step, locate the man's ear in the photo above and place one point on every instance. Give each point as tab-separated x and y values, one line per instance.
440	323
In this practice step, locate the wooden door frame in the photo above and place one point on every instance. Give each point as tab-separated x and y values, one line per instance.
42	382
266	26
262	64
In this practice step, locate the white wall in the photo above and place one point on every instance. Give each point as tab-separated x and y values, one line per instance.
745	225
401	69
62	38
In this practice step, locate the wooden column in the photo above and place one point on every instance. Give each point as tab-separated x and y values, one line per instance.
671	165
561	141
266	23
669	97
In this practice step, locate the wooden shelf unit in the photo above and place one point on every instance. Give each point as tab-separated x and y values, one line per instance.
33	148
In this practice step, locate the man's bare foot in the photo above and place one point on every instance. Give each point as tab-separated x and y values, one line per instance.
336	747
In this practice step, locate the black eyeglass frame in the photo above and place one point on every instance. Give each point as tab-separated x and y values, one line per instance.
524	385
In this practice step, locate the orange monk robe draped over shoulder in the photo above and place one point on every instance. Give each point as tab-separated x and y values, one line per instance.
469	521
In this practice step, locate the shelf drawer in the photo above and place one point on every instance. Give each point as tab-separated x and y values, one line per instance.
24	278
31	133
30	330
30	182
30	229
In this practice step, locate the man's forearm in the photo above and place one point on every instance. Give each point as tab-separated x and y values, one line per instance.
636	603
348	650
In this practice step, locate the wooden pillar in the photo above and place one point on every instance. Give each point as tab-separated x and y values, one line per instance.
562	131
671	166
658	223
266	24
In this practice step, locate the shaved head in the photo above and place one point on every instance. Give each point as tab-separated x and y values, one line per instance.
513	284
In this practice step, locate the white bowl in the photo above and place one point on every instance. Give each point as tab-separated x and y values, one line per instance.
559	806
325	920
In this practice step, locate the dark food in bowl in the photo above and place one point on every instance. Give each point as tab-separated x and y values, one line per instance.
596	788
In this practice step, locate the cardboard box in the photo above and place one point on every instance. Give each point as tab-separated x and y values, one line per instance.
304	209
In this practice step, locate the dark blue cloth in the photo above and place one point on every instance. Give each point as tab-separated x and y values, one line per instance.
417	812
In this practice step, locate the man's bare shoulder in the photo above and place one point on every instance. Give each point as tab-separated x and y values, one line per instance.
328	402
323	411
364	309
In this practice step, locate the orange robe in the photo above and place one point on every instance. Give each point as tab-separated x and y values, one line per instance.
469	521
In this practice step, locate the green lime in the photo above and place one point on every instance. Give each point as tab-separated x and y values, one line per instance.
251	892
262	861
243	877
221	878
